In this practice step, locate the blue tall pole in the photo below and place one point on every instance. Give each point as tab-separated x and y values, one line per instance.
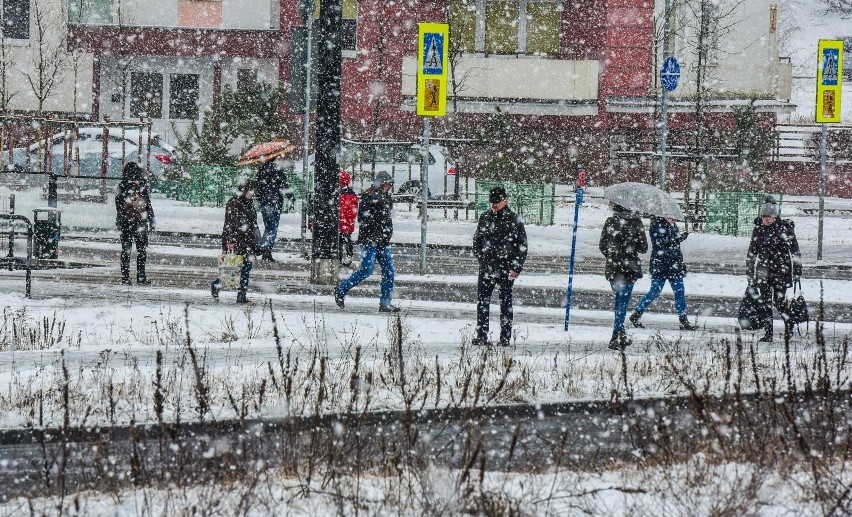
581	182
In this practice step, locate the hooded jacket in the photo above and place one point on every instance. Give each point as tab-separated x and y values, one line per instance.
622	241
375	222
133	210
500	241
666	257
773	254
240	225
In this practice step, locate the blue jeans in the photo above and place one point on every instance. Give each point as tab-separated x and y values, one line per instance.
369	255
657	287
271	217
622	290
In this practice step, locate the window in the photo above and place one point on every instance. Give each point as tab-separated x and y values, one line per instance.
246	77
183	96
146	94
90	12
506	26
16	19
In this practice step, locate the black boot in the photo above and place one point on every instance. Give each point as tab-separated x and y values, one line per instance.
267	256
214	289
241	297
684	323
619	341
125	280
767	332
635	320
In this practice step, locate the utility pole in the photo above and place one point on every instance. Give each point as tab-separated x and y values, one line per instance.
306	10
324	248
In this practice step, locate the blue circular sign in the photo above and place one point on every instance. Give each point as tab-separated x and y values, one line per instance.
670	73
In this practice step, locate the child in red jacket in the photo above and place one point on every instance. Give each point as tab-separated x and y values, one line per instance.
348	215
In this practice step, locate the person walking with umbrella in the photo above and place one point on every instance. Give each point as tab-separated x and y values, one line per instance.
270	183
622	240
500	246
375	229
773	263
666	264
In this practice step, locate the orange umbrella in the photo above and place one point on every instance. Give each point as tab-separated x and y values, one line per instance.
265	152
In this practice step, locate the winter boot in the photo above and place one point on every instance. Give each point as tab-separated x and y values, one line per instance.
214	289
635	319
684	323
142	280
338	298
767	332
267	255
125	280
619	341
504	341
479	342
388	308
241	297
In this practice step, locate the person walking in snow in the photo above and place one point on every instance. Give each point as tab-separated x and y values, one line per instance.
375	229
666	264
773	263
500	246
240	235
348	215
622	241
271	182
134	217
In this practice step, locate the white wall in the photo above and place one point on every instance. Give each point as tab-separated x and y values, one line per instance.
236	14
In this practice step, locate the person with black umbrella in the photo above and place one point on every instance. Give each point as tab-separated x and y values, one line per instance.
500	246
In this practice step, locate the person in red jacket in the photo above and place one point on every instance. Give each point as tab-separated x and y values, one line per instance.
348	215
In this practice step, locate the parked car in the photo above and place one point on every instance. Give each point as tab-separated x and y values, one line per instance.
402	161
121	148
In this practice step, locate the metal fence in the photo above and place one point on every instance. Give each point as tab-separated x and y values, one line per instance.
211	185
733	213
535	202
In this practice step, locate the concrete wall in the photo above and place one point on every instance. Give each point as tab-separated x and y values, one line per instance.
235	14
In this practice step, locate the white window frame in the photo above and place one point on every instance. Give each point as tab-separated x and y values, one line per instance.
479	43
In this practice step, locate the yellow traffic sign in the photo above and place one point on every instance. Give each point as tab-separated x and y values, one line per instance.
432	65
829	80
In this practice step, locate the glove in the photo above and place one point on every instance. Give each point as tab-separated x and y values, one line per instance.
750	281
683	236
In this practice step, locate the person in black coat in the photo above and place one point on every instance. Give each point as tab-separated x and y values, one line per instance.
500	246
622	241
666	264
240	235
375	229
134	217
774	263
271	181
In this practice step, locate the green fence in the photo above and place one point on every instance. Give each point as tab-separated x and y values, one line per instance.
733	213
533	201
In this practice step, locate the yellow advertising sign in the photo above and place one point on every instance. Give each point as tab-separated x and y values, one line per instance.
432	64
829	80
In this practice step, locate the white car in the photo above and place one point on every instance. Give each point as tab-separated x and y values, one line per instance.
402	161
88	146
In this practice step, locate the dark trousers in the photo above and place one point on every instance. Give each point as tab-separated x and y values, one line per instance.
128	237
485	287
345	248
773	296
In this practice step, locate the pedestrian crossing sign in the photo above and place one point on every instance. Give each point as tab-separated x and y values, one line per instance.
829	80
432	64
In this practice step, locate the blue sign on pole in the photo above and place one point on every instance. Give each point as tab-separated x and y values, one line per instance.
670	73
581	183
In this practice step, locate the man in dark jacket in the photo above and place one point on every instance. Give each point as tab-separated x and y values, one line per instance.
240	235
270	183
774	263
134	216
500	246
375	229
622	241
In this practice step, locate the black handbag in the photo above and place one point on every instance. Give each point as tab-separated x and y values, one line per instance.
797	308
753	311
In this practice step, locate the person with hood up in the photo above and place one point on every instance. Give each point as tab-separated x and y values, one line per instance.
500	246
622	241
375	229
347	217
666	264
773	263
240	235
134	218
271	181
